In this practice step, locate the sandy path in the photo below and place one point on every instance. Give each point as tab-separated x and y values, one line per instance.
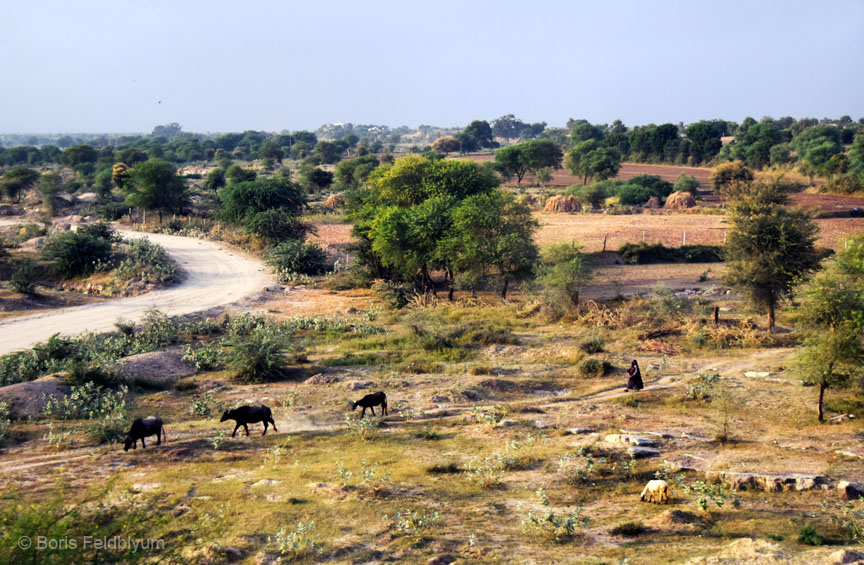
216	276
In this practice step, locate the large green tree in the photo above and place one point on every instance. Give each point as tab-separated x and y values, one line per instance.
155	186
16	180
517	160
590	160
831	313
769	247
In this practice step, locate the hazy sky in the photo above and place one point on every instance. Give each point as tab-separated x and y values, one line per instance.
94	66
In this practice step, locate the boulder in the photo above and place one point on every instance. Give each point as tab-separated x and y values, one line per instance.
33	244
766	482
27	399
359	385
631	439
850	490
160	369
321	379
637	452
844	556
88	197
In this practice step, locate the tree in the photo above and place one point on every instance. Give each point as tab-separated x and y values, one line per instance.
156	186
352	173
768	248
16	180
531	156
856	157
728	174
235	173
685	183
494	230
50	184
316	179
592	161
446	144
831	312
215	179
120	174
563	272
507	126
239	202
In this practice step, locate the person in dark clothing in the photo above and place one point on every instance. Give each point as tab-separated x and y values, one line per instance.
635	380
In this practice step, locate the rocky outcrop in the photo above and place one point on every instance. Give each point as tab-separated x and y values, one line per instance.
631	440
160	369
766	482
25	400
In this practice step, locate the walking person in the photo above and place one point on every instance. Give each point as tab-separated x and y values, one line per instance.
635	380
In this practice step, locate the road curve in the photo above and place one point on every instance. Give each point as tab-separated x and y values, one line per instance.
215	276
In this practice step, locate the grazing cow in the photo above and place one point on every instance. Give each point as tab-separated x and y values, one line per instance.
370	401
655	491
141	428
249	415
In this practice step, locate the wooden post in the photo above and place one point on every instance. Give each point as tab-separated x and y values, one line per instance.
724	237
716	315
605	237
684	239
643	236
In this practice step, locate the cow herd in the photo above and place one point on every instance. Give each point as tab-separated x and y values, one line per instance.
242	416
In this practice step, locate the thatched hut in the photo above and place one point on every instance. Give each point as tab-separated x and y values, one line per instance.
680	201
562	204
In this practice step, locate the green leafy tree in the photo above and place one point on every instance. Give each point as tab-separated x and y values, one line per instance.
769	248
494	230
120	175
267	207
531	156
16	180
50	184
507	126
831	312
563	272
856	157
215	179
592	161
685	183
315	179
728	174
353	173
155	186
235	173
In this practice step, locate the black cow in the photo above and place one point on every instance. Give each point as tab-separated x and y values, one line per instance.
370	401
249	415
143	427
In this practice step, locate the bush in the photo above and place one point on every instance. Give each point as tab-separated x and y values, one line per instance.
593	343
593	195
646	253
297	256
4	423
557	526
658	187
685	183
79	253
146	262
24	278
593	367
258	357
634	195
394	294
276	225
111	211
628	529
809	536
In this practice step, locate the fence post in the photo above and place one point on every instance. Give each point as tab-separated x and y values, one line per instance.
684	239
643	236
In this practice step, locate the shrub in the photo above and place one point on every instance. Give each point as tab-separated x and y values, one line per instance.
79	253
685	183
413	523
628	529
5	424
593	343
146	262
24	278
393	294
809	536
646	253
486	472
297	256
593	367
363	428
658	187
634	195
296	543
558	526
111	211
203	406
277	225
258	357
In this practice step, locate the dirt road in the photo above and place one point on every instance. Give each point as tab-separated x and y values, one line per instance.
215	276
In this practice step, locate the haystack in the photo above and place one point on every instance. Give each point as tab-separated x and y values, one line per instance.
680	200
334	201
562	204
529	201
653	203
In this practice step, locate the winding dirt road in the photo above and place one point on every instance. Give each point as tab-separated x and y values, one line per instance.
215	276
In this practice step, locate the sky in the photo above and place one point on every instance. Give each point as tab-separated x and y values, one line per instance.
217	66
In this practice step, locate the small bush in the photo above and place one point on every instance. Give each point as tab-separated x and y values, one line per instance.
297	256
647	253
555	525
203	406
445	469
628	529
296	543
809	536
593	367
413	523
394	295
257	358
481	370
146	262
111	211
593	343
79	253
23	279
5	424
634	195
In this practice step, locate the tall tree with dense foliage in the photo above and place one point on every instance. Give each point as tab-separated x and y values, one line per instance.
729	174
494	232
16	180
590	160
155	186
831	312
769	248
517	160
